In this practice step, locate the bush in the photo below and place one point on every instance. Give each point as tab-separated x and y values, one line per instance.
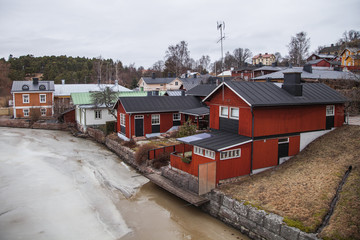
187	129
162	160
110	127
186	160
141	154
129	144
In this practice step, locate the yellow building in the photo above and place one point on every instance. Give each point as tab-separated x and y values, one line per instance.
350	57
266	59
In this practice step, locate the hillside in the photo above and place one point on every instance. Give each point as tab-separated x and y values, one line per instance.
302	188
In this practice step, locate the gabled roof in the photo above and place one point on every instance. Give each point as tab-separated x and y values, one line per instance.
155	104
216	140
260	94
67	89
19	86
189	83
201	90
150	80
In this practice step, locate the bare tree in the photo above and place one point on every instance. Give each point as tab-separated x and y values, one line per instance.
105	98
299	48
177	57
278	57
241	56
229	61
203	64
98	67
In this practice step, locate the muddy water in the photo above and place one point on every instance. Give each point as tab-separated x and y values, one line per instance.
55	186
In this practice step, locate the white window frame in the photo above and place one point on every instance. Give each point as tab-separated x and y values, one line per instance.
237	118
42	95
27	111
283	140
332	108
155	119
178	116
43	111
27	97
204	152
220	112
122	119
97	114
235	153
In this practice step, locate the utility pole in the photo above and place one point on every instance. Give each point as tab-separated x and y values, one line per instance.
221	27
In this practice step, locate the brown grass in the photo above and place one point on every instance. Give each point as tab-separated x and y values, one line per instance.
301	189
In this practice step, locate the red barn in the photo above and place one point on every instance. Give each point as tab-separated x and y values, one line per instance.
256	125
141	116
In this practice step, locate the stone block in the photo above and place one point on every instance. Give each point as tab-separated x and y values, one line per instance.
216	196
243	221
214	208
194	185
289	233
257	216
228	202
227	215
240	208
244	230
307	236
265	233
273	223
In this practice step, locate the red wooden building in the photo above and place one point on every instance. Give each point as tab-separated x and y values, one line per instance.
256	125
152	115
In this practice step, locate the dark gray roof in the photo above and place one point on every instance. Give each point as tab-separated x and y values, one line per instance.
158	104
189	83
150	80
17	86
269	94
201	111
201	90
216	140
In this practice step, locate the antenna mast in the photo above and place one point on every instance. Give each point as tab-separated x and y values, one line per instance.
221	27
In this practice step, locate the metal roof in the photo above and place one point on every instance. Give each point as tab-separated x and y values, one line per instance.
258	94
150	80
201	90
317	73
216	140
201	111
67	89
173	93
17	86
158	104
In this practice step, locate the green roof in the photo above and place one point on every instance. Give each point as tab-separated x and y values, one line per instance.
85	97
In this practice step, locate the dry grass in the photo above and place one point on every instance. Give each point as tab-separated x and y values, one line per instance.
301	189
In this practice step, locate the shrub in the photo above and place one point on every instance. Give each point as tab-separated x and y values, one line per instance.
162	160
129	144
141	154
186	160
187	129
110	127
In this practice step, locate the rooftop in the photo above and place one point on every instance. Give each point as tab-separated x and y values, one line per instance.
28	86
67	89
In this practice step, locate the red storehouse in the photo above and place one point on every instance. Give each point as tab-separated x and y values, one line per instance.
257	125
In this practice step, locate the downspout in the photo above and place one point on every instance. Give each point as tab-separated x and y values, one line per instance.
129	125
252	140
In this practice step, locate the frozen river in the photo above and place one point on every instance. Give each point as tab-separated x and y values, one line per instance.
55	186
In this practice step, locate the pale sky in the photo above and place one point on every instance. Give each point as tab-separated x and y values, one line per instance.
140	31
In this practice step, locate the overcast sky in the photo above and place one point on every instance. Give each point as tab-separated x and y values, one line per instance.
140	31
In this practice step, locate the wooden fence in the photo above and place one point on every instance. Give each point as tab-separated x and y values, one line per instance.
154	153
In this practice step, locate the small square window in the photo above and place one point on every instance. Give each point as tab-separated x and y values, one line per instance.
176	83
26	112
42	98
234	113
43	111
224	112
330	110
176	117
155	119
26	98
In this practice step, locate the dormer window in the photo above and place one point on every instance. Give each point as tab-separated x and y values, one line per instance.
42	87
25	87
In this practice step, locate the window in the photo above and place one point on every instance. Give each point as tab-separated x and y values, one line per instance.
176	83
330	110
155	119
26	98
43	111
26	112
234	113
42	98
224	112
42	87
97	114
204	152
176	117
236	153
122	119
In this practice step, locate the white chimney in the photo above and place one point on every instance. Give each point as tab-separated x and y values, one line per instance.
116	82
62	81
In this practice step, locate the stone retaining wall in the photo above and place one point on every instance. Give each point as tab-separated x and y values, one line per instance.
182	179
25	123
96	134
255	223
124	153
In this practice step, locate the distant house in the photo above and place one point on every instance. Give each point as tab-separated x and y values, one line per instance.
244	73
63	92
150	116
328	57
266	59
159	84
319	63
257	125
350	58
33	97
261	71
332	50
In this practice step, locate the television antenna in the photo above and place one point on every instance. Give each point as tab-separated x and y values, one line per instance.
221	27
